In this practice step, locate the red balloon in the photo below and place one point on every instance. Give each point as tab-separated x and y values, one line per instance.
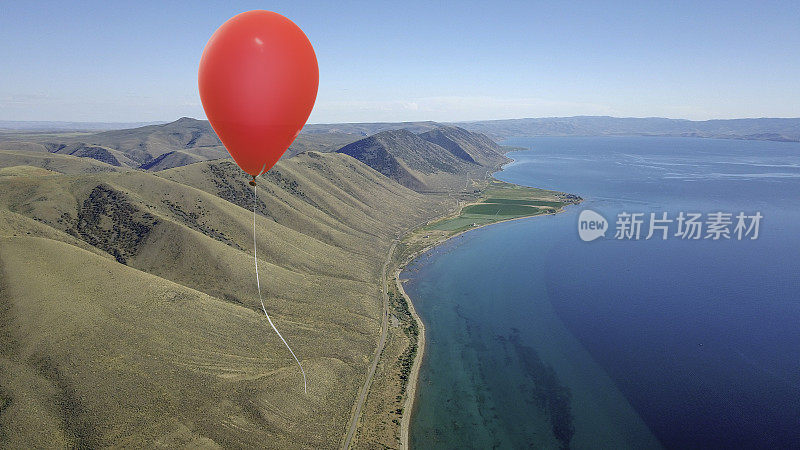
258	80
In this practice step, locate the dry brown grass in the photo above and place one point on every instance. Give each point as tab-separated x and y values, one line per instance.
169	348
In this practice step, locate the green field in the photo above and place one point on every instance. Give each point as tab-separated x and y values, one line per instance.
501	189
514	201
500	209
502	201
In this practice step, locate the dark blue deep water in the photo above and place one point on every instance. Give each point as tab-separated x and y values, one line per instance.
536	338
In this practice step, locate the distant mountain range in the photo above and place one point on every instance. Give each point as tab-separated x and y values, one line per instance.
754	129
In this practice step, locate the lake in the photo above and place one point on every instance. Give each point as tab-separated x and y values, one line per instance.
537	338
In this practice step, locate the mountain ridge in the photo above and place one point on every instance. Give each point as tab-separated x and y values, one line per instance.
419	162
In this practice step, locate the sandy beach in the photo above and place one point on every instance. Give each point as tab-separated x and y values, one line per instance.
411	388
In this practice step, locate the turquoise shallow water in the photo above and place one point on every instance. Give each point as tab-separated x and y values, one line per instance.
537	338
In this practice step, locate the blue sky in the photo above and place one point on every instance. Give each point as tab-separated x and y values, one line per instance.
447	61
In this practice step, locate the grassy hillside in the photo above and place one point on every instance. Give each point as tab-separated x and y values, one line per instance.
438	160
128	309
469	146
147	146
68	164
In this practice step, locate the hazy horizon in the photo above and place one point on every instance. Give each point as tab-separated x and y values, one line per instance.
158	122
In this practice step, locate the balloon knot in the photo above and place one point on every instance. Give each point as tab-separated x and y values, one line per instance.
253	181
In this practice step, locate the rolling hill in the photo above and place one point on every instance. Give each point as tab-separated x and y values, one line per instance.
469	146
146	143
129	311
183	141
155	147
68	164
436	160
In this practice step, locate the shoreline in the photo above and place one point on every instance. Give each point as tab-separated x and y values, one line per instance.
411	387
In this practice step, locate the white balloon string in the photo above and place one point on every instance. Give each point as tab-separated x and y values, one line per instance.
258	283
